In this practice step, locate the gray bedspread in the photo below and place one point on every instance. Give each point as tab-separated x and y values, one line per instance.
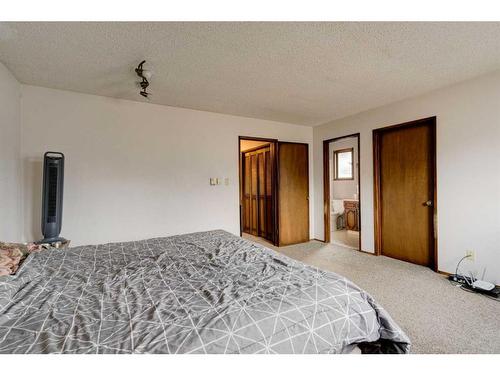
208	292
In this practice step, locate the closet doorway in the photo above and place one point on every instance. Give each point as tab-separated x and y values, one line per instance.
258	188
274	190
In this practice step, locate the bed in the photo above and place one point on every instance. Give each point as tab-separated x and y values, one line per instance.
209	292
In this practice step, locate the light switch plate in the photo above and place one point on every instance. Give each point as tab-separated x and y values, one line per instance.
471	254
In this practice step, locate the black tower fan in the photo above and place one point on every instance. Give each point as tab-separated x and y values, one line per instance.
52	198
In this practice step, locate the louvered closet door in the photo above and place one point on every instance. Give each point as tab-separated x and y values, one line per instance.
247	181
254	195
268	196
257	193
261	170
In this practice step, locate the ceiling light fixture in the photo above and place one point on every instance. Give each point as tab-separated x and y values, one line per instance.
145	76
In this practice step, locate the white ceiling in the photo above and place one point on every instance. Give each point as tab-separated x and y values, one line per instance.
302	73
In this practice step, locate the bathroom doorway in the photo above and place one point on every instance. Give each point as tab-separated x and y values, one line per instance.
342	199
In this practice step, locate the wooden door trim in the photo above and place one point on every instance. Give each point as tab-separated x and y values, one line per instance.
308	188
326	184
377	190
274	186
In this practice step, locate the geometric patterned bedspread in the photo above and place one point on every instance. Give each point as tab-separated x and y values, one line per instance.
209	292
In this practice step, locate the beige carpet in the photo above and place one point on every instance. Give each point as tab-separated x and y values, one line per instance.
437	316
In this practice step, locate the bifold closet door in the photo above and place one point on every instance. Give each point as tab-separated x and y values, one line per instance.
250	194
246	193
265	193
254	195
257	193
270	209
293	193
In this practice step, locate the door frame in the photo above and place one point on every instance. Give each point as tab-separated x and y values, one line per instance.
274	186
377	189
326	184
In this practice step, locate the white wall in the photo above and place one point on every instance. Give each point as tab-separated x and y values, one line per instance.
10	142
341	189
136	170
468	168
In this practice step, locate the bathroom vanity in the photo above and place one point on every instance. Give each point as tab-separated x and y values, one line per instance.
351	214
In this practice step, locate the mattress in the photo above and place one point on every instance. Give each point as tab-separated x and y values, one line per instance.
209	292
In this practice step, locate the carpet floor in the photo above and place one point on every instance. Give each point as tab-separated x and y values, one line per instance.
437	316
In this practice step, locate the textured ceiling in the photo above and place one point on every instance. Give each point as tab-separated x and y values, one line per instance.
302	73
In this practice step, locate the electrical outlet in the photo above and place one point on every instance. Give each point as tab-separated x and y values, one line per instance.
471	254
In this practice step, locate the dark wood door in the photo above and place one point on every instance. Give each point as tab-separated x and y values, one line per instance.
249	194
265	194
406	172
293	193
